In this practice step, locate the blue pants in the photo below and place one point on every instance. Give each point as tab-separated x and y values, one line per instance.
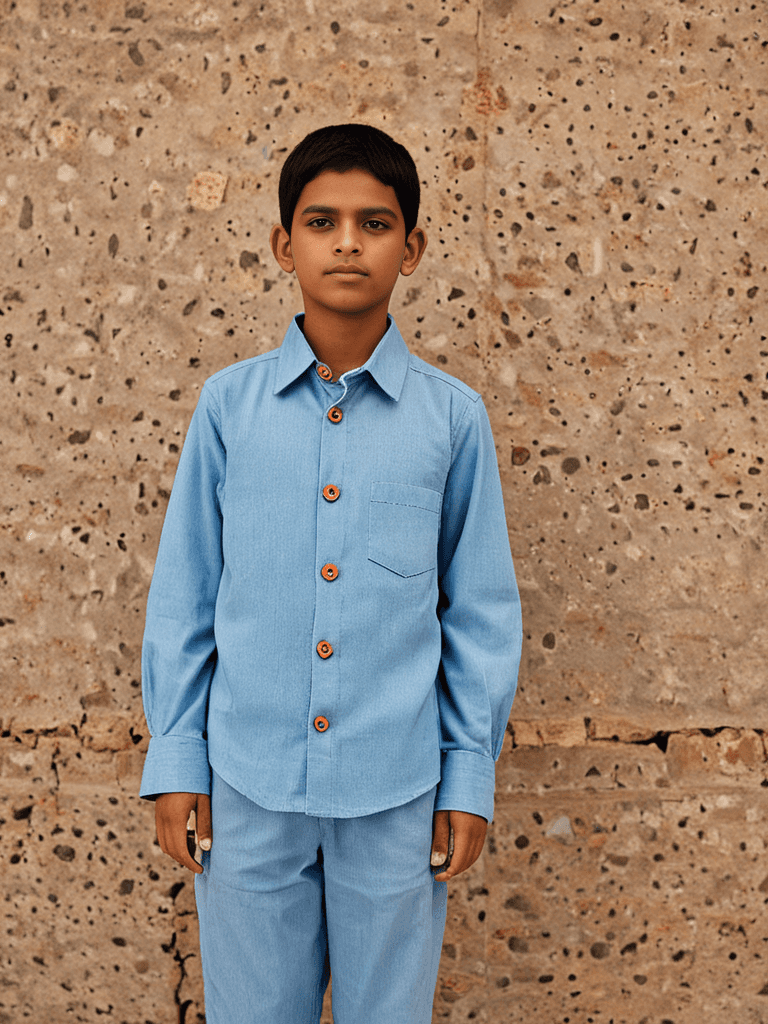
285	899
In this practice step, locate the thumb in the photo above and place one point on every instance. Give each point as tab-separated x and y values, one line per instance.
441	831
203	819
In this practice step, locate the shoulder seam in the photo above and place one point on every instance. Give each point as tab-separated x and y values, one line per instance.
264	357
458	385
455	431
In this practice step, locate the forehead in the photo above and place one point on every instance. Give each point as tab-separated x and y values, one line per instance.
348	191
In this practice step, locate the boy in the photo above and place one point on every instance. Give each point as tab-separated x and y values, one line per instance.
333	626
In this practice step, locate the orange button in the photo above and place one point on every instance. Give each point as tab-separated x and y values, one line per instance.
325	372
329	571
331	493
335	414
324	649
321	723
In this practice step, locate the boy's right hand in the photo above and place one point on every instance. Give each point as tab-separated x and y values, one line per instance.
171	816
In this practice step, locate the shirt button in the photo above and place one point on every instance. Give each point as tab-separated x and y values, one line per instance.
335	414
325	372
324	649
331	493
329	571
321	723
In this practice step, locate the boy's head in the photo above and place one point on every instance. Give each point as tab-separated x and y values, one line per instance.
346	147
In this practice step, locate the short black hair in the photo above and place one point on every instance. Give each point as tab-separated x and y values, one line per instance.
347	147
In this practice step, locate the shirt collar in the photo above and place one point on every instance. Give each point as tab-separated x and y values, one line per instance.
388	363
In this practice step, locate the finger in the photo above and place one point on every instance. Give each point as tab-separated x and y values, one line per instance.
178	849
468	839
204	825
171	815
460	857
174	842
441	831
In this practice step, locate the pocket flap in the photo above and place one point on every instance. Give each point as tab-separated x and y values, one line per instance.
403	527
406	494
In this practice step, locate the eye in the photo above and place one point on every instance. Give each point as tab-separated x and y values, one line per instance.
319	222
376	225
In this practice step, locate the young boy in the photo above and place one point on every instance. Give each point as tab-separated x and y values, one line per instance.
333	628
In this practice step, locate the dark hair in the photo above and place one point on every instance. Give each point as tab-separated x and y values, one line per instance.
347	147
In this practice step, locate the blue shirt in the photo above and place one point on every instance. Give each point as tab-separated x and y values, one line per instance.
333	622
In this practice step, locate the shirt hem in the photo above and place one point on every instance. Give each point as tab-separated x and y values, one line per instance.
376	808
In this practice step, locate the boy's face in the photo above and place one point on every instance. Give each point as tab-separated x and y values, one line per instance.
347	244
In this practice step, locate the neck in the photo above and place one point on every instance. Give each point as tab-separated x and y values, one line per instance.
343	341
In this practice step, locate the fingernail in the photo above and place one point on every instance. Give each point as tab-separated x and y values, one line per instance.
205	844
437	858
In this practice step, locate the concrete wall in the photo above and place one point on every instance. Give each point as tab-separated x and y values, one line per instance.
595	194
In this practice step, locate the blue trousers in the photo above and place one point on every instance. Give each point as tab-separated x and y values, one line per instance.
287	899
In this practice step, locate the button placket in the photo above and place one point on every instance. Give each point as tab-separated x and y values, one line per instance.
335	413
331	511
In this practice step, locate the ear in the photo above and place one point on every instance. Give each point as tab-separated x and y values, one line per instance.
415	244
280	244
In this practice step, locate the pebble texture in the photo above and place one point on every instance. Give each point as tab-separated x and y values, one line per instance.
594	192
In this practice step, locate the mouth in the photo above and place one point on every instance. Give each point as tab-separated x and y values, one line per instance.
344	268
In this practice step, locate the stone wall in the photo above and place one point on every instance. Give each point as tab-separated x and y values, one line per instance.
594	191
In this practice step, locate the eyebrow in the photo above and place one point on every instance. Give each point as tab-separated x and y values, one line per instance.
367	211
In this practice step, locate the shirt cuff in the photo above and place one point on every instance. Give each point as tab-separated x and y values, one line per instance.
467	782
175	764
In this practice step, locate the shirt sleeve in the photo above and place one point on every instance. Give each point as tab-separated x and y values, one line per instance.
179	649
480	618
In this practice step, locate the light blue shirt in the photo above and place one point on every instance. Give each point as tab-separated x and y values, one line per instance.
333	623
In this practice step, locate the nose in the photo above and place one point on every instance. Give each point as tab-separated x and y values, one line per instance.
347	240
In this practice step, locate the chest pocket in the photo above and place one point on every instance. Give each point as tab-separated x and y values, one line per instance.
403	527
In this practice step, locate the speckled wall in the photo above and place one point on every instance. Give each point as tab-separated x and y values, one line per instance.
595	196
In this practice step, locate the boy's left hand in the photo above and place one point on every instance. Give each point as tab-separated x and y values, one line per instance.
468	838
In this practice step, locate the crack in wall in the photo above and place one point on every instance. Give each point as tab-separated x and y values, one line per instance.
182	1006
661	738
557	732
